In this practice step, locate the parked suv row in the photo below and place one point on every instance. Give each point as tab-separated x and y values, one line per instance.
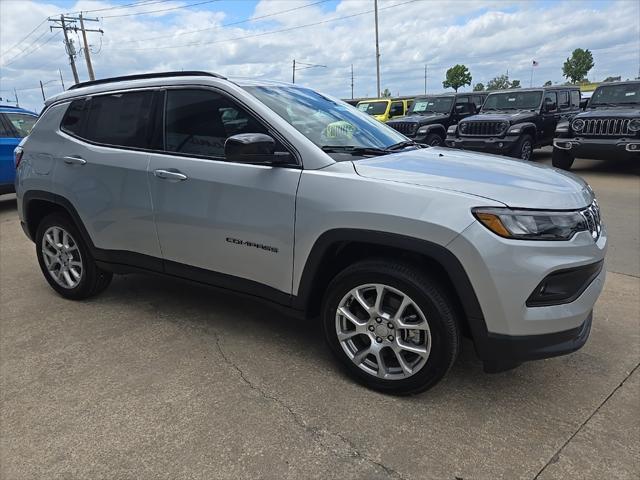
400	249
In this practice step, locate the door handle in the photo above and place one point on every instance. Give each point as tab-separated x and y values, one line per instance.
170	175
74	160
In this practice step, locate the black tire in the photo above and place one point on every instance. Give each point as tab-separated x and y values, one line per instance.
93	280
429	296
562	159
434	140
523	149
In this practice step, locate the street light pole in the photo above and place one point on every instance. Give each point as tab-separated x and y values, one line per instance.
375	3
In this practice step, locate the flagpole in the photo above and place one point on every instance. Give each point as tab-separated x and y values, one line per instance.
531	81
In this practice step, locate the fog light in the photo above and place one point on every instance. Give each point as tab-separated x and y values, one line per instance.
633	147
500	145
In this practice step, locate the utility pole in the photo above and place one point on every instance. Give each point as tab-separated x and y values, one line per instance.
61	79
15	92
352	81
425	78
375	3
68	23
304	67
42	90
293	79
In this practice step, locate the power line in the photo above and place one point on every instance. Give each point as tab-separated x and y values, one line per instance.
144	3
270	32
27	36
158	11
38	47
231	24
27	47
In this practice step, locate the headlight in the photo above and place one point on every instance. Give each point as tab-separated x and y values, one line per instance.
634	125
423	129
452	129
577	125
503	126
530	224
463	127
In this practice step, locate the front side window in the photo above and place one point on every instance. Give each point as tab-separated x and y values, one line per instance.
513	101
325	121
120	119
432	105
551	98
21	122
373	108
199	121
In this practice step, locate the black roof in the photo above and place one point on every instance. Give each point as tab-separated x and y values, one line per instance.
626	82
537	89
143	76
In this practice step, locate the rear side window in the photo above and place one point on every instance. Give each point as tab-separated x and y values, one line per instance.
120	119
73	118
563	99
199	121
21	122
575	98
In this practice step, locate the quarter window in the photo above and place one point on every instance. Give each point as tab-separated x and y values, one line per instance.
121	119
198	122
72	121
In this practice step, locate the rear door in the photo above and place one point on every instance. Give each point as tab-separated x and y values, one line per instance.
218	221
101	168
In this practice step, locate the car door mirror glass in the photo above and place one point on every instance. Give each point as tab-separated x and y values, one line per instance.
254	148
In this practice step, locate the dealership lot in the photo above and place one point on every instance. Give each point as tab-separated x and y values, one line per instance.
158	378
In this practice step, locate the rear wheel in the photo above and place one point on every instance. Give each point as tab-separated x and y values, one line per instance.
562	159
392	327
66	261
524	148
434	140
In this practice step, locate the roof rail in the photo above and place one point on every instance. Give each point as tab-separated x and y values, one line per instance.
142	76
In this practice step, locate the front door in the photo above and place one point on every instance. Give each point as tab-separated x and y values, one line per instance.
550	117
233	222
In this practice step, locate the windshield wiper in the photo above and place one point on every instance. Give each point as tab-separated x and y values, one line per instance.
401	145
353	150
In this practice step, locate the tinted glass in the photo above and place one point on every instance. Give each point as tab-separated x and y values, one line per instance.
624	94
122	119
563	99
22	122
575	98
513	101
73	119
373	108
432	105
200	121
551	97
5	131
324	120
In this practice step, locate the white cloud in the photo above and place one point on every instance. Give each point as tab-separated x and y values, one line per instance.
488	36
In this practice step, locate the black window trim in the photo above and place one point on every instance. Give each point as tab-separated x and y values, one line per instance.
163	88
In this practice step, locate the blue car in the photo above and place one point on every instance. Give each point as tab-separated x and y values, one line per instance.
15	124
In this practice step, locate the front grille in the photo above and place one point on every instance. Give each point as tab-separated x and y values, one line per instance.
591	216
606	127
406	128
483	129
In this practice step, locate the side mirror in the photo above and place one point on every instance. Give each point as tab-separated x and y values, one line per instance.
255	148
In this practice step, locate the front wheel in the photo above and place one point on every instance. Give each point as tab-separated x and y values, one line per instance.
66	261
561	159
524	148
393	328
434	140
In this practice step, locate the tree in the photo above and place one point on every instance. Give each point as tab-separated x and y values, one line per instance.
515	84
386	93
548	83
578	65
456	77
478	87
501	82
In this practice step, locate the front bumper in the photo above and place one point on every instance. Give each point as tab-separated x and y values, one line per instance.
505	272
600	148
499	145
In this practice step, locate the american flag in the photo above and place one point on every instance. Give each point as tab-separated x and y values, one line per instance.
535	64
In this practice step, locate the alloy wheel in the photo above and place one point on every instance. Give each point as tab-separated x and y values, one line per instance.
62	257
383	331
527	150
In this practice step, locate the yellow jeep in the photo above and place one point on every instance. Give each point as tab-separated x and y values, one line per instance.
384	109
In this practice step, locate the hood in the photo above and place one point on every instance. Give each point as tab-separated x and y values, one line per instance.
515	116
421	119
614	112
512	182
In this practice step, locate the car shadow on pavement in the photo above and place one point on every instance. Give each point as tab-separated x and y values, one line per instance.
8	202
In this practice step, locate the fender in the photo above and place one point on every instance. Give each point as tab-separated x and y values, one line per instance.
434	128
522	127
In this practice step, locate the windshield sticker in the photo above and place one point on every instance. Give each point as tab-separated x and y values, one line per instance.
511	99
629	94
419	106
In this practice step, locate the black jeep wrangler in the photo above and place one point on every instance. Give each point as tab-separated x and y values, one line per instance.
608	129
514	122
429	117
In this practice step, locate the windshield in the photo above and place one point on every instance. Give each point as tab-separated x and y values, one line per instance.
373	108
22	122
432	105
616	94
325	121
513	101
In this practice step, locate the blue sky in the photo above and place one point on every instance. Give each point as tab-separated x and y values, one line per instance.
489	36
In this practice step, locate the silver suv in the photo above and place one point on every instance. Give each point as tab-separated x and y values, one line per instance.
282	193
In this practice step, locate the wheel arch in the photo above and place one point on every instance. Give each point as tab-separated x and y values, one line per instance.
437	128
529	128
336	249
